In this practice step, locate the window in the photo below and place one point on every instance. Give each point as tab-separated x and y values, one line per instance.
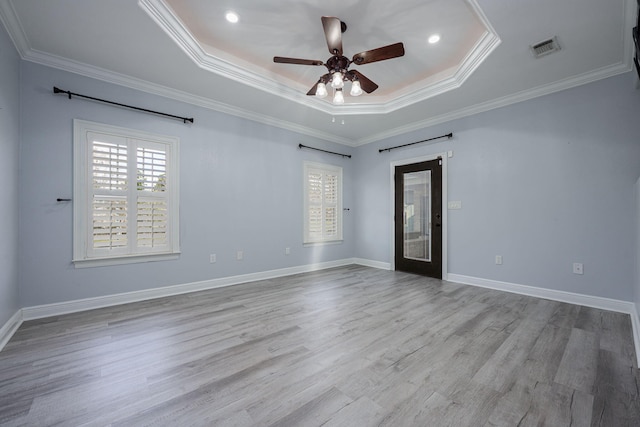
125	195
322	203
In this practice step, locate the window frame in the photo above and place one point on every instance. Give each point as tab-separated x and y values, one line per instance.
324	168
84	255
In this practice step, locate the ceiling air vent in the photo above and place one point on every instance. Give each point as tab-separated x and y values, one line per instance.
545	47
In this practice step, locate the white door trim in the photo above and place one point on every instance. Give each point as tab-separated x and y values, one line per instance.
445	199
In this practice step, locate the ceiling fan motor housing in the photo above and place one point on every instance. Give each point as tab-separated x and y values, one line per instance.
338	63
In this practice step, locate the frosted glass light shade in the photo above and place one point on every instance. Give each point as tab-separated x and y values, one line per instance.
321	90
356	90
338	98
336	80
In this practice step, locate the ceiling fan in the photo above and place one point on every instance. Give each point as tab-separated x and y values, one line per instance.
338	65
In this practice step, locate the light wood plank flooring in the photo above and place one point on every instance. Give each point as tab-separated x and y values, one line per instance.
352	346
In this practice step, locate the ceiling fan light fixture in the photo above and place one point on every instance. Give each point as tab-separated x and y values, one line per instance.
356	89
338	64
337	81
321	90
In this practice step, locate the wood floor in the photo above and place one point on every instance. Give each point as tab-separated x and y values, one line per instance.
352	346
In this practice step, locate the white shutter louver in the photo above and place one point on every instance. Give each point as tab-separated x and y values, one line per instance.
151	182
152	169
109	222
109	203
322	203
330	203
109	163
151	223
315	222
314	183
330	222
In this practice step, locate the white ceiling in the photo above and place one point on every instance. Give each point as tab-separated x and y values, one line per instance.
185	49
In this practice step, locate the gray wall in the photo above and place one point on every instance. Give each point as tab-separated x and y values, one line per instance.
240	189
9	144
544	183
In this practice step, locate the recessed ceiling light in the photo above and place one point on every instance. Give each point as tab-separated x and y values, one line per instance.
434	38
232	17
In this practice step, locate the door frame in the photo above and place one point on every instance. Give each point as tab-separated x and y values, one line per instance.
445	223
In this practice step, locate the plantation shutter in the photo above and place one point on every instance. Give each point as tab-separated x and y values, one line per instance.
314	206
330	206
120	211
322	203
126	195
109	185
151	205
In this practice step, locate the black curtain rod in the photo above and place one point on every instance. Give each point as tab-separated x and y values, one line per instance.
184	119
449	135
324	151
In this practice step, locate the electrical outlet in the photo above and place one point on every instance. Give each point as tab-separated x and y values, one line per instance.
212	258
239	255
499	259
287	251
577	268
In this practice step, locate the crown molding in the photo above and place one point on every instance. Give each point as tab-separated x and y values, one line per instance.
478	54
11	22
239	71
568	83
145	86
101	74
624	66
258	78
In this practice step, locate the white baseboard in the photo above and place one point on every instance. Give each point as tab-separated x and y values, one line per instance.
561	296
371	263
635	323
9	328
56	309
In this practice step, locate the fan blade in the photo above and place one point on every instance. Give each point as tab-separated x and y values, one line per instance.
379	54
333	33
366	84
313	89
282	60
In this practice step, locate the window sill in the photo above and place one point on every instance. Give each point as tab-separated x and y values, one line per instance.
129	259
325	243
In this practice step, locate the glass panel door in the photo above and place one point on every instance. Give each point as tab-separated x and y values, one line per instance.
417	215
418	218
